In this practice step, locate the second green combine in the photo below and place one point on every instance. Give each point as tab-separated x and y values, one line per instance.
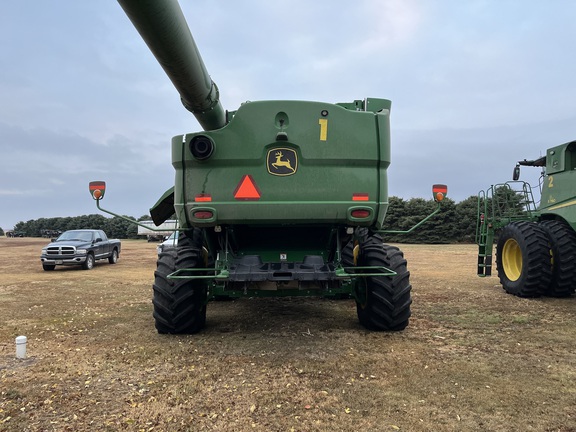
535	244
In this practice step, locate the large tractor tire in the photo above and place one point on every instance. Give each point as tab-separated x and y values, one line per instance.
383	302
347	255
350	251
180	304
562	242
523	259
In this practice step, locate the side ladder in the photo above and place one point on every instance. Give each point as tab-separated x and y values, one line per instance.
484	238
500	205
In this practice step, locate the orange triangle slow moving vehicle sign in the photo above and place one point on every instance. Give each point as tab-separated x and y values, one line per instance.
247	189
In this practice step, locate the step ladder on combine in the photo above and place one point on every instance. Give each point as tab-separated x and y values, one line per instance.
498	206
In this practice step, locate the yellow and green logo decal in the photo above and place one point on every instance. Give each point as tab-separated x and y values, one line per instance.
282	161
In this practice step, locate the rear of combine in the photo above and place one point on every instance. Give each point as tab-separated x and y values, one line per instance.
536	245
277	198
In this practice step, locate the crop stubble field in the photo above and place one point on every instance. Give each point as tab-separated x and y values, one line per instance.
472	359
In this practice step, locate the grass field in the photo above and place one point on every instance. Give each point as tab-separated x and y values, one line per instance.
472	359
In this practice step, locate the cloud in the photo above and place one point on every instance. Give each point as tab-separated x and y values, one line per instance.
474	86
15	192
470	159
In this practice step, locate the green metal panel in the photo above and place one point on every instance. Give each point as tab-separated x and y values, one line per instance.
339	159
559	188
555	159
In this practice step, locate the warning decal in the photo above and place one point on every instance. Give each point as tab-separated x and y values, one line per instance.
247	189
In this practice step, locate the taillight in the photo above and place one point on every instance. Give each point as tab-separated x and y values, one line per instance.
360	214
203	214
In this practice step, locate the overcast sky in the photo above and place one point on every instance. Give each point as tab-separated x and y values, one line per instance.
475	86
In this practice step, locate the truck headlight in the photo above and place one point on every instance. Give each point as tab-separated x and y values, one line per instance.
81	251
43	251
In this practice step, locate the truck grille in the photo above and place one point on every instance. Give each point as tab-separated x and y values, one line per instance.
61	250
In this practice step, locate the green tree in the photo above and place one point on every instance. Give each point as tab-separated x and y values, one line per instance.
466	219
403	215
441	228
507	202
393	220
118	227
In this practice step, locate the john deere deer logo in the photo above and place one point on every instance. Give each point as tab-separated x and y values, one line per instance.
282	161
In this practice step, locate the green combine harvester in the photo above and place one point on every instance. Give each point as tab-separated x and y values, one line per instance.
536	245
277	198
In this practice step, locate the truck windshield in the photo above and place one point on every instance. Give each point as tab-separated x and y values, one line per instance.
75	235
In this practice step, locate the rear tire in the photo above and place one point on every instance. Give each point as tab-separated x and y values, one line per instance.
180	304
383	302
562	240
523	259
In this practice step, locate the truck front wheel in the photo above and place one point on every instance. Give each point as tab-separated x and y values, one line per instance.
89	263
523	259
383	302
180	304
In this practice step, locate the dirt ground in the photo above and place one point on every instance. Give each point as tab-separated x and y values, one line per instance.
472	359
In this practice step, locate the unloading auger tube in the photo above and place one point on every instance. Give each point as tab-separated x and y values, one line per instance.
164	29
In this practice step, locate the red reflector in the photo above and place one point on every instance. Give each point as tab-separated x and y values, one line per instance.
440	188
360	197
97	189
247	189
203	214
203	198
360	214
97	185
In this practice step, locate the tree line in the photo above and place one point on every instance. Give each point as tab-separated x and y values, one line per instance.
455	223
115	227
